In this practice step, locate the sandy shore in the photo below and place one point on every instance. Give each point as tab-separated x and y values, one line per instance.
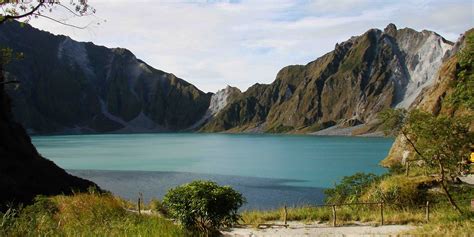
313	229
337	130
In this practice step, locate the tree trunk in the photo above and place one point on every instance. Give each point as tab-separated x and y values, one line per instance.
445	188
413	145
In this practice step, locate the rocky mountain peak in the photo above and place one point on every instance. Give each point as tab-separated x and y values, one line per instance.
391	29
346	87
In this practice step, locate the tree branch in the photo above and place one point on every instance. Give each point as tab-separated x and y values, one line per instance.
9	82
11	17
60	22
413	145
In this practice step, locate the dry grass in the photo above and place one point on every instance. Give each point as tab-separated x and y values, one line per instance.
88	214
345	215
444	221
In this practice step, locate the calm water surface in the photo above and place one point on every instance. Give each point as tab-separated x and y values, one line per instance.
271	170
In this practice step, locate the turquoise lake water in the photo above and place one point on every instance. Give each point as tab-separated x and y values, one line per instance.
269	169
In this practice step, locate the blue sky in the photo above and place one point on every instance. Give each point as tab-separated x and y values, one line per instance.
239	43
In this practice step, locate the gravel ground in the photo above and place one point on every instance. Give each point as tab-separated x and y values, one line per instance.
301	229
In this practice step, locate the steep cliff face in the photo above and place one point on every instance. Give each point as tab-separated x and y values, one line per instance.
218	102
23	172
74	87
435	98
346	87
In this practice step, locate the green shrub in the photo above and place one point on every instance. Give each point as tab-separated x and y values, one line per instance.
204	205
350	189
400	191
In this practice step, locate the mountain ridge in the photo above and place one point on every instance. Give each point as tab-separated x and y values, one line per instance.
339	93
349	85
110	89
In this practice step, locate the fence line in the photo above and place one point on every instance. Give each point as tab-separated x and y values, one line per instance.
381	205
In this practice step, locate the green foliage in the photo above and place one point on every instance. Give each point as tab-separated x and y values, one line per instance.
7	55
350	189
438	140
396	168
204	205
463	93
441	140
399	191
392	121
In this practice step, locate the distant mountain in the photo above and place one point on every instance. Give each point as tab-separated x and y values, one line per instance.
341	92
74	87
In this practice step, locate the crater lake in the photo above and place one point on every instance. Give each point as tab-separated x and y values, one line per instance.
270	170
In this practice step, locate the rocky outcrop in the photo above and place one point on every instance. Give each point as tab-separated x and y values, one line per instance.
218	102
346	87
433	98
75	87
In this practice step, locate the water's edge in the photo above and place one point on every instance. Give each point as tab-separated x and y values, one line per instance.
261	193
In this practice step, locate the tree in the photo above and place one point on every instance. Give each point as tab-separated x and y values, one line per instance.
442	142
25	10
204	205
350	189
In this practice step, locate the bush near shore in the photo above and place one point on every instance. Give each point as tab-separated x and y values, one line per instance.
98	214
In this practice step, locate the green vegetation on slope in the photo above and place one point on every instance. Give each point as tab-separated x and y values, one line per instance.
463	94
88	214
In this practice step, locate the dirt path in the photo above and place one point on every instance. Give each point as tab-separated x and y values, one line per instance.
301	229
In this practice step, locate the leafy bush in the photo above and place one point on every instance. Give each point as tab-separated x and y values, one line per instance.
204	205
350	189
400	191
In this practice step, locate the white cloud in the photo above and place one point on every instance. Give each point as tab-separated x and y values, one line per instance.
217	43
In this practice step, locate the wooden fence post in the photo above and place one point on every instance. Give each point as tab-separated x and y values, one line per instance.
381	213
140	197
334	215
286	215
407	168
427	211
